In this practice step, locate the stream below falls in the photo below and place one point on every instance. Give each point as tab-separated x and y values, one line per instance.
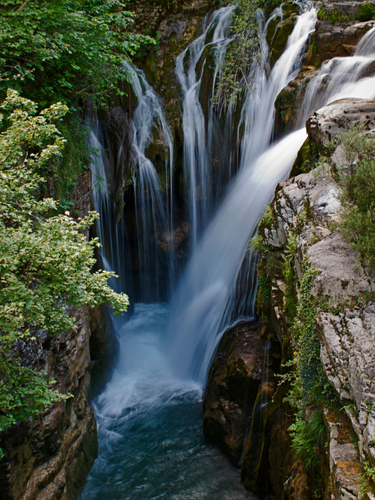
150	427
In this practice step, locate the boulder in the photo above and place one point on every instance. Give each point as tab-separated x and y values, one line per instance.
232	386
327	123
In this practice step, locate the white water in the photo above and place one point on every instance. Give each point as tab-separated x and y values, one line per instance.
206	287
153	215
165	362
342	77
163	367
197	146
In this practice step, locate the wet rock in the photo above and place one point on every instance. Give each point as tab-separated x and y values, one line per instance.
232	386
278	33
335	41
103	348
171	241
50	456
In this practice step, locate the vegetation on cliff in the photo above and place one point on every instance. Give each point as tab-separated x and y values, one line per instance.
357	180
243	51
46	261
289	306
66	51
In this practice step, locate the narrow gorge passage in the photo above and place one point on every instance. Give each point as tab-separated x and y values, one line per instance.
149	414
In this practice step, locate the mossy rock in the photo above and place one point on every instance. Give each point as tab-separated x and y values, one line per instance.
280	38
304	161
290	8
271	30
366	12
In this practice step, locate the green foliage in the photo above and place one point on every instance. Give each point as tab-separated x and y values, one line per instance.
74	159
65	49
290	277
45	262
333	15
366	12
357	180
308	438
369	473
263	295
308	373
268	217
242	53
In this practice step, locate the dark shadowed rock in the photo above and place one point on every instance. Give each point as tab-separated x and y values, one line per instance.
233	382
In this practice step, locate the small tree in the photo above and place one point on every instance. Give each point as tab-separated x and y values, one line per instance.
45	261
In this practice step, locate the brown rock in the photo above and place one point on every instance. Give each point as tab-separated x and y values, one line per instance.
232	386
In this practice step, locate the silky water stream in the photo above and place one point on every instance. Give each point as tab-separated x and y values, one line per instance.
149	415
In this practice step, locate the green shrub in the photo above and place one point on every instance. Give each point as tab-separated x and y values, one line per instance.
357	179
241	52
333	15
45	261
65	49
308	438
366	12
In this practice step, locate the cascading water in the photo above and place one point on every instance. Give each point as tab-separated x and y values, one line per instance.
149	414
197	144
153	212
205	289
114	249
342	77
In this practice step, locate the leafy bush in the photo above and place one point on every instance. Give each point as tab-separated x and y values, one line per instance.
357	179
45	262
241	54
333	15
308	438
65	49
366	12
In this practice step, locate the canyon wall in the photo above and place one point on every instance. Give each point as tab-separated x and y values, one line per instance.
301	225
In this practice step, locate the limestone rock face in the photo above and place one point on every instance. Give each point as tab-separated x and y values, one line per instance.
328	122
49	457
344	468
308	207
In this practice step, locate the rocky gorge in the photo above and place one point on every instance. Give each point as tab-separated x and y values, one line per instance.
247	411
306	210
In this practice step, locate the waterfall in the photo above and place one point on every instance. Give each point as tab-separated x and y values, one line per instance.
144	414
114	243
197	144
153	202
153	211
205	289
342	77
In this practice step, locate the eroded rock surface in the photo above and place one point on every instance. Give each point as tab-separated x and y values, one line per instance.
308	207
327	123
233	382
50	456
